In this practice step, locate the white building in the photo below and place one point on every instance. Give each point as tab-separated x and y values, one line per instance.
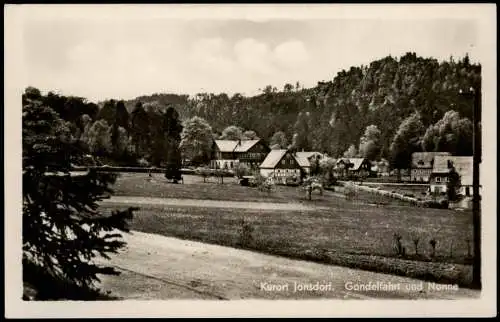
280	165
441	170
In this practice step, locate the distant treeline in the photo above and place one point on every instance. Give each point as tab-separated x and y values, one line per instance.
388	109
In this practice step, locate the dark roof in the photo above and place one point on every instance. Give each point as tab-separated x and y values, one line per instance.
355	162
425	159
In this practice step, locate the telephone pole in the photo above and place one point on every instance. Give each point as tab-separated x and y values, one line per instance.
475	94
476	202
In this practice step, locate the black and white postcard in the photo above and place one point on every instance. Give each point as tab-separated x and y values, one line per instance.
250	160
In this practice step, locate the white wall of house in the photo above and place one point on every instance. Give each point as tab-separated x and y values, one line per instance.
280	174
438	187
286	172
421	174
441	187
266	172
223	164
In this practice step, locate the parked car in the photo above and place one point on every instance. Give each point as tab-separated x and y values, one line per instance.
292	181
248	181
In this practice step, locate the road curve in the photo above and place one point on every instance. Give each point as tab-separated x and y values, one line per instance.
158	267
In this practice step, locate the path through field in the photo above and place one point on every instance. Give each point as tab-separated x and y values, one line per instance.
137	201
157	267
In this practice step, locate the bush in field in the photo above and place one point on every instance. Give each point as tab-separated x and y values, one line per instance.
416	236
442	204
433	244
350	193
204	172
259	179
266	186
262	183
312	184
143	162
246	233
398	245
469	252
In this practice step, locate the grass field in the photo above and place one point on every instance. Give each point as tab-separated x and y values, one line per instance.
360	235
139	184
132	184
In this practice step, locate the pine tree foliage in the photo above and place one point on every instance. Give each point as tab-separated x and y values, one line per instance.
63	228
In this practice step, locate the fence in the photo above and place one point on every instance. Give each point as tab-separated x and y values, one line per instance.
411	200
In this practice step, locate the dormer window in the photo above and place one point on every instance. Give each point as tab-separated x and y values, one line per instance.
420	163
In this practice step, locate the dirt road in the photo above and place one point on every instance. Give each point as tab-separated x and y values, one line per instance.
157	267
137	201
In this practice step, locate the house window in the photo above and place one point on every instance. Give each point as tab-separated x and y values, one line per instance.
438	179
283	162
467	191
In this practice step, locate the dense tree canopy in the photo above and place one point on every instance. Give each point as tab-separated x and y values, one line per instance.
279	141
196	140
407	140
450	134
351	152
232	133
369	146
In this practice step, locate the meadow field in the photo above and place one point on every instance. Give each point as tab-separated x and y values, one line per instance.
355	233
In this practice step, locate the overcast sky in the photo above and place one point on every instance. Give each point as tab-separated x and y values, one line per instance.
124	56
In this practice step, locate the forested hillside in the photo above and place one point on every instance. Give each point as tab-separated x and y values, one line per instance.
381	94
388	109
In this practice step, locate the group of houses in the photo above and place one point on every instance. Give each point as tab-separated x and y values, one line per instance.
281	164
432	168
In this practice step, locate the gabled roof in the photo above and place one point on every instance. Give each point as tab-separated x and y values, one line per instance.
245	145
273	158
235	145
356	163
302	160
308	154
226	145
425	159
463	166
